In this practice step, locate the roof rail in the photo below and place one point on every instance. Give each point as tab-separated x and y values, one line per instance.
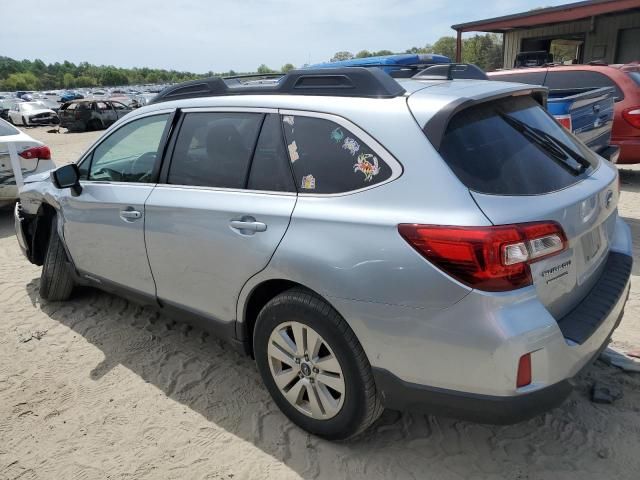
339	82
452	71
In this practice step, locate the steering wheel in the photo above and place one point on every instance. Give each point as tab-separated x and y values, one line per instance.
142	159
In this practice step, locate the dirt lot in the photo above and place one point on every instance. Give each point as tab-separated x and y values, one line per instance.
99	388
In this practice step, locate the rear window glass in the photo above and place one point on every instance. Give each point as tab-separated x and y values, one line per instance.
488	151
635	76
576	80
7	129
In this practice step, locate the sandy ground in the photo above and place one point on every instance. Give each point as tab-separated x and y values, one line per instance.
99	388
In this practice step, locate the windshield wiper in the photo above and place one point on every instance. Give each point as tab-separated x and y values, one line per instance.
559	151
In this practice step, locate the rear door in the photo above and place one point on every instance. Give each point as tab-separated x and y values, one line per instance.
223	207
120	109
515	180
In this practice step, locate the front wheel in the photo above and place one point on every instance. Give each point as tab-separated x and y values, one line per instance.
56	279
314	367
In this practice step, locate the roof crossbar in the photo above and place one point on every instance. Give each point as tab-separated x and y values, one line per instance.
339	82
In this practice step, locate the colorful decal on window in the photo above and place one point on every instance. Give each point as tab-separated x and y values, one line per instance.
337	135
293	151
365	166
308	182
288	119
351	145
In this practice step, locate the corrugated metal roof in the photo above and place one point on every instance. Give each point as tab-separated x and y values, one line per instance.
561	13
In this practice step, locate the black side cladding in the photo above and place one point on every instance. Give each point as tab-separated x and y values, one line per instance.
341	82
579	324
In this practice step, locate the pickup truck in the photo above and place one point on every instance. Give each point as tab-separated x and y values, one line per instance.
589	115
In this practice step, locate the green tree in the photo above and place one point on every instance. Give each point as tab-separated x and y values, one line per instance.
445	46
69	80
381	53
341	56
364	54
264	69
483	50
21	81
287	68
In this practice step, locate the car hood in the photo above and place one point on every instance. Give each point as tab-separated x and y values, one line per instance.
36	111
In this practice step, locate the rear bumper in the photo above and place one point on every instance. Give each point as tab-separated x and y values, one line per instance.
629	149
44	121
607	299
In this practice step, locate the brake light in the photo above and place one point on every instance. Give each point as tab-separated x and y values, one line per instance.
632	116
493	259
524	371
42	153
565	121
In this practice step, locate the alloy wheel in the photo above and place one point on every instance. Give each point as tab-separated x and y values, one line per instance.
306	370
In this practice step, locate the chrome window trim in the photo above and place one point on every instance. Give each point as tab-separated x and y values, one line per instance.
372	143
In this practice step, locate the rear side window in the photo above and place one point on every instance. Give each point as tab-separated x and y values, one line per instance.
270	168
581	80
214	149
491	155
531	78
328	158
635	76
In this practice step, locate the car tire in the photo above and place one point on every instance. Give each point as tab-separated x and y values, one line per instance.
56	279
336	415
94	125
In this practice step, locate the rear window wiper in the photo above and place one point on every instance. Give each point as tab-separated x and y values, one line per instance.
558	150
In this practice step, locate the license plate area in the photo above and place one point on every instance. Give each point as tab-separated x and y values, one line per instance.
592	245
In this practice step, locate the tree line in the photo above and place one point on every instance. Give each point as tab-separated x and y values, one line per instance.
483	50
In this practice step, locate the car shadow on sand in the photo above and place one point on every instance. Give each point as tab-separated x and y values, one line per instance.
210	378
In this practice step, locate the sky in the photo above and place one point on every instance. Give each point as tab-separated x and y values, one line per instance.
220	35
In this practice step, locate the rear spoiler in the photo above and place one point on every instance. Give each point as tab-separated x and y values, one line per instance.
435	128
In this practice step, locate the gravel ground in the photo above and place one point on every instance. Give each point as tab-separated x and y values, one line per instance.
99	388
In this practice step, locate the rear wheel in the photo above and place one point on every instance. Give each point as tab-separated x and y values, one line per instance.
314	367
56	279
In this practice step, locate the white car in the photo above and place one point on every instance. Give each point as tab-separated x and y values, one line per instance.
32	113
29	156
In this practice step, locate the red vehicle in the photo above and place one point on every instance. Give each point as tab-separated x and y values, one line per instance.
625	79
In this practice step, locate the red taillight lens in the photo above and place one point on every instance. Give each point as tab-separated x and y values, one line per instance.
42	153
493	258
565	121
632	116
524	371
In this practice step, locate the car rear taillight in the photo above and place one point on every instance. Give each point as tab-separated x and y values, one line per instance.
494	259
42	153
565	121
632	116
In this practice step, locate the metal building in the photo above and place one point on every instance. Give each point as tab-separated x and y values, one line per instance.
606	30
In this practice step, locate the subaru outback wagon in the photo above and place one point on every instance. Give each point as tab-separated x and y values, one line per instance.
422	244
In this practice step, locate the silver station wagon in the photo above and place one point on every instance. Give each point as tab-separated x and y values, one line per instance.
420	244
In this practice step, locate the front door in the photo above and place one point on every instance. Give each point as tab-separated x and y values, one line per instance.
225	204
104	225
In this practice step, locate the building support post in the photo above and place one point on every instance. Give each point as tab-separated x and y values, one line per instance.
459	46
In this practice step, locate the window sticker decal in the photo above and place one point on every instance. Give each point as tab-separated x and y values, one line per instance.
351	145
337	135
288	119
365	166
293	151
308	182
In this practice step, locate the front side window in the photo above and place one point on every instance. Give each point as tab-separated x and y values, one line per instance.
328	158
214	149
128	154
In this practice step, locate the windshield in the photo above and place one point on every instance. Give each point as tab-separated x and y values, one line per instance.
514	147
31	106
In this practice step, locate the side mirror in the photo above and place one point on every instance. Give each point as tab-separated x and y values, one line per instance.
67	176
